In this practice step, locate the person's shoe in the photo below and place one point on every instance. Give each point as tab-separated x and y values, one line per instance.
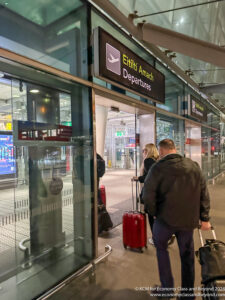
171	241
151	242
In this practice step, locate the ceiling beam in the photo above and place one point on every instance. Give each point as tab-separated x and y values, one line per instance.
127	24
183	44
214	89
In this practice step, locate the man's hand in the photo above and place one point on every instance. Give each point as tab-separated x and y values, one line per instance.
205	225
135	178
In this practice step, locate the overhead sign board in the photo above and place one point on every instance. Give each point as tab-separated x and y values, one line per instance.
118	64
197	109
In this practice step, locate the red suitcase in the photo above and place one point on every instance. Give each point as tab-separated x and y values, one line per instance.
103	194
134	228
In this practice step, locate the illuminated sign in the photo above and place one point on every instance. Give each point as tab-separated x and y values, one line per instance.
120	133
7	159
197	109
118	64
33	131
8	126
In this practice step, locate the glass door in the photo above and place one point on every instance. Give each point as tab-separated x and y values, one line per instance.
121	133
120	140
193	144
8	181
46	197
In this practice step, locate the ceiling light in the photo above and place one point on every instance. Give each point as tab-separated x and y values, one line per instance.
1	74
34	91
181	20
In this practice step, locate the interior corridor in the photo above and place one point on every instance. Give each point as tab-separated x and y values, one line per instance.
118	193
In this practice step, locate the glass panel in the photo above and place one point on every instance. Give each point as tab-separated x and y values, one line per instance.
97	20
215	144
203	22
120	151
174	91
8	179
42	12
48	32
215	151
193	142
206	152
170	128
46	215
222	137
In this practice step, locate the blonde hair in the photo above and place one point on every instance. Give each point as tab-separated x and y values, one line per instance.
152	151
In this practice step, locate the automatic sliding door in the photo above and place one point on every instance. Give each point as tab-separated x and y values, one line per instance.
120	141
8	180
46	194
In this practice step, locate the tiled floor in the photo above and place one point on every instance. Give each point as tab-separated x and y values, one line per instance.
125	273
118	192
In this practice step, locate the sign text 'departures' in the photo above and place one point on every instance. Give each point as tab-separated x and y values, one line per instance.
122	66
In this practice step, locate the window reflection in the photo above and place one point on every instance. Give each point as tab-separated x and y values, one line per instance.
170	128
46	186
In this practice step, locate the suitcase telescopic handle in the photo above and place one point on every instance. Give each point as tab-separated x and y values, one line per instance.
138	197
138	206
132	187
201	236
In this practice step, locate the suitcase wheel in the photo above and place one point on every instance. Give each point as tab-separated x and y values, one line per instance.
125	246
140	250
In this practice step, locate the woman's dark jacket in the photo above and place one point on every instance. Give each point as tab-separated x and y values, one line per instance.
148	162
175	191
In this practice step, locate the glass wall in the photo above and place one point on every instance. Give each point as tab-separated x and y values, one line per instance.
48	32
46	181
214	122
222	143
212	155
206	152
170	128
120	145
215	151
174	90
98	21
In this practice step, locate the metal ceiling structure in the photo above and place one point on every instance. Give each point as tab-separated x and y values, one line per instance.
189	35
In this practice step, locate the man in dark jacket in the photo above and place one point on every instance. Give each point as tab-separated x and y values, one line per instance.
175	193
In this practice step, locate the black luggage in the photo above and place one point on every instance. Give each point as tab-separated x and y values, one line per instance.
211	256
104	220
100	166
214	290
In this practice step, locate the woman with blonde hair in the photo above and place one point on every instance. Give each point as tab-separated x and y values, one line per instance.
150	156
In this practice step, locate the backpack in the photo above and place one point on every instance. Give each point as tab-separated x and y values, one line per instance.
100	166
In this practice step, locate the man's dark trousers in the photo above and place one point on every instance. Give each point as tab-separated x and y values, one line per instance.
161	235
